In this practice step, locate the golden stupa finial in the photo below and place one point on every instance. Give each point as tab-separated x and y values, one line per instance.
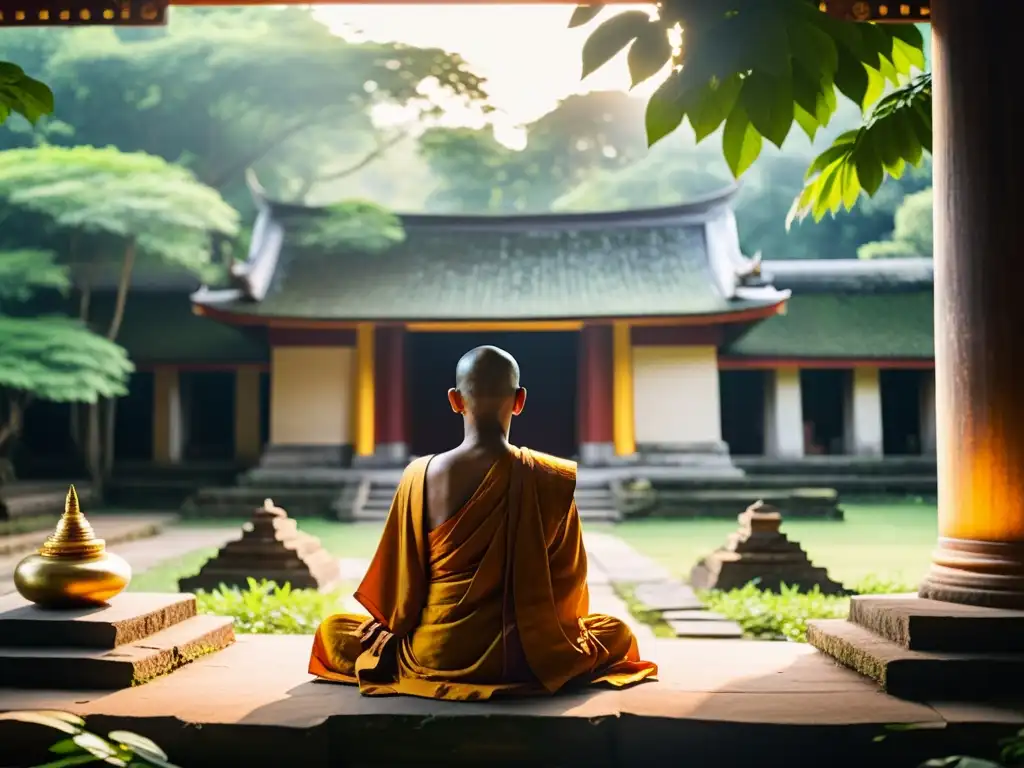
73	537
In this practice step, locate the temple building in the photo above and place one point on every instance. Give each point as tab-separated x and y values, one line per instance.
645	337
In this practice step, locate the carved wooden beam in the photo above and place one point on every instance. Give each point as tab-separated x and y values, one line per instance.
878	10
83	13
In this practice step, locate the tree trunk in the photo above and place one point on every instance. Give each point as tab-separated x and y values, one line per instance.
10	431
109	423
84	302
100	449
94	450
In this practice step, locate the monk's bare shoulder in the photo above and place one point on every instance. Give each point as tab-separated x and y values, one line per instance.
560	469
556	479
414	472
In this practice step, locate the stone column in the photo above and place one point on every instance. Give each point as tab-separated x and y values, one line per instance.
979	270
927	416
391	411
862	414
248	443
596	400
168	417
783	414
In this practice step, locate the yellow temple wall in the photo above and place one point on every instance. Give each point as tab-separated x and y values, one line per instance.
311	399
675	394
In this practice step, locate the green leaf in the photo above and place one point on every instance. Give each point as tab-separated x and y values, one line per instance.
741	143
768	102
611	37
807	122
826	158
826	185
813	49
664	110
584	14
850	184
712	106
649	53
875	89
59	721
851	78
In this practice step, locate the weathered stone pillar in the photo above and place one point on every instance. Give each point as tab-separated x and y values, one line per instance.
596	400
783	414
168	416
862	415
979	270
927	416
391	414
248	426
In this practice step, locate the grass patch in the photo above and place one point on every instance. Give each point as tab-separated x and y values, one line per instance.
643	614
890	541
164	576
268	609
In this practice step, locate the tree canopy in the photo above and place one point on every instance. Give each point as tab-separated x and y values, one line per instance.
755	69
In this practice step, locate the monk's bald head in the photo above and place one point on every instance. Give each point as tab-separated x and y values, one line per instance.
487	373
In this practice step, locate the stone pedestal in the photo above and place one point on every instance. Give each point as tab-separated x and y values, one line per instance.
758	550
271	548
134	639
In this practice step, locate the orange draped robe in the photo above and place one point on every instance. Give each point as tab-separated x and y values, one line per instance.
493	601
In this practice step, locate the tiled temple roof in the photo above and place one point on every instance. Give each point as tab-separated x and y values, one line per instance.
665	262
847	309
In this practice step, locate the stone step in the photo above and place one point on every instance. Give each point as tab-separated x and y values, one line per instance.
122	667
130	617
930	625
918	675
707	630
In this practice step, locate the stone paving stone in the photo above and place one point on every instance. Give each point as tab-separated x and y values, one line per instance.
693	614
668	596
354	568
718	630
622	563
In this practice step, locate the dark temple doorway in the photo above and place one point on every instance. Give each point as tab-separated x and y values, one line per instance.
548	370
901	411
208	405
822	394
741	394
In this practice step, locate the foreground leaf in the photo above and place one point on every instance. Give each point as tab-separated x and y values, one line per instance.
611	38
897	134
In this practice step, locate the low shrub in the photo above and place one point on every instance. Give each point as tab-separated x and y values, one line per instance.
268	609
784	615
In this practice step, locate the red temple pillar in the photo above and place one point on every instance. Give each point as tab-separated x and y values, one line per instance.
596	405
390	422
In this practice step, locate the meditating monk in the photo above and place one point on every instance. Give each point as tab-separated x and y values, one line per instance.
479	583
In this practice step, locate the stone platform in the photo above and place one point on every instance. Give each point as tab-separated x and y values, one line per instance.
136	638
719	704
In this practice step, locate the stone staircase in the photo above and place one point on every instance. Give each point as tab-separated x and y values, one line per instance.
928	650
371	501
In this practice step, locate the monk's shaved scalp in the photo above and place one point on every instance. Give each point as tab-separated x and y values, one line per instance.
487	372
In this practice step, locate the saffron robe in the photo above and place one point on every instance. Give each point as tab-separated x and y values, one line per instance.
493	601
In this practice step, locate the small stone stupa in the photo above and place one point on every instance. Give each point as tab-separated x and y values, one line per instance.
758	550
271	548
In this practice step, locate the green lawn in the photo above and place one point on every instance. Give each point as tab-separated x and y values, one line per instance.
890	540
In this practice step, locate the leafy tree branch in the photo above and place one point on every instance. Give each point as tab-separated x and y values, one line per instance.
754	69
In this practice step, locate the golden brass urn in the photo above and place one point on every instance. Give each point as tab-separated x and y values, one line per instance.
73	568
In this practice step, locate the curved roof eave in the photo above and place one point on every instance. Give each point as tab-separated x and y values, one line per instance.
696	211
